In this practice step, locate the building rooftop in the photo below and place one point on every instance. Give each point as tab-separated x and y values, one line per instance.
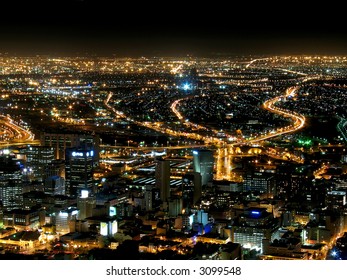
24	235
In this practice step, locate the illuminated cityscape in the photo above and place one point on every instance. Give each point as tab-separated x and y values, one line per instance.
173	157
134	133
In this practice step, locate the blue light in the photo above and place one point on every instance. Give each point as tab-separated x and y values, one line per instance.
186	86
77	154
334	253
195	153
257	213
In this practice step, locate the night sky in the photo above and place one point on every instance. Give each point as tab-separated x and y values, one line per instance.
79	27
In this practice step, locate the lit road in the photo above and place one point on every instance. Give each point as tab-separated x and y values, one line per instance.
164	129
154	147
255	60
223	160
299	120
13	134
194	126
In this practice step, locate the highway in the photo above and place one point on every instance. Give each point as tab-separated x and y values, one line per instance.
224	166
299	120
14	134
165	129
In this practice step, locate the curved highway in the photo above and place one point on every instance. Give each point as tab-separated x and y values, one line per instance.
14	134
299	120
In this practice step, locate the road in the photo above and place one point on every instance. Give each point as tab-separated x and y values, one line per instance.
14	134
299	120
224	162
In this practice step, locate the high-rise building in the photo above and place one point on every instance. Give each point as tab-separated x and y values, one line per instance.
85	205
175	206
54	185
201	217
191	188
261	182
11	187
335	199
55	168
63	217
37	158
251	227
203	162
62	141
79	171
162	178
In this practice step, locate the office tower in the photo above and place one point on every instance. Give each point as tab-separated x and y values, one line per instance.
63	218
335	199
37	158
162	178
11	187
62	141
79	171
191	189
252	226
85	205
261	182
201	217
203	162
54	185
151	197
175	206
55	168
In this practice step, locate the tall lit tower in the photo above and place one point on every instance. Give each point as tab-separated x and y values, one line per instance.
79	171
11	186
38	157
203	162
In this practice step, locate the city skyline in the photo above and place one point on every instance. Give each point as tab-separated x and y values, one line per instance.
190	158
151	131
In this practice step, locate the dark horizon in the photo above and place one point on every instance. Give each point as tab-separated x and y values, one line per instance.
105	29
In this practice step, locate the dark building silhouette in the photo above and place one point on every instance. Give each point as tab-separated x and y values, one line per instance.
162	178
203	162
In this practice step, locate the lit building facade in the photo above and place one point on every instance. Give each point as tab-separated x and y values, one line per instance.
263	183
37	158
63	218
11	186
79	171
62	141
85	205
251	227
23	219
